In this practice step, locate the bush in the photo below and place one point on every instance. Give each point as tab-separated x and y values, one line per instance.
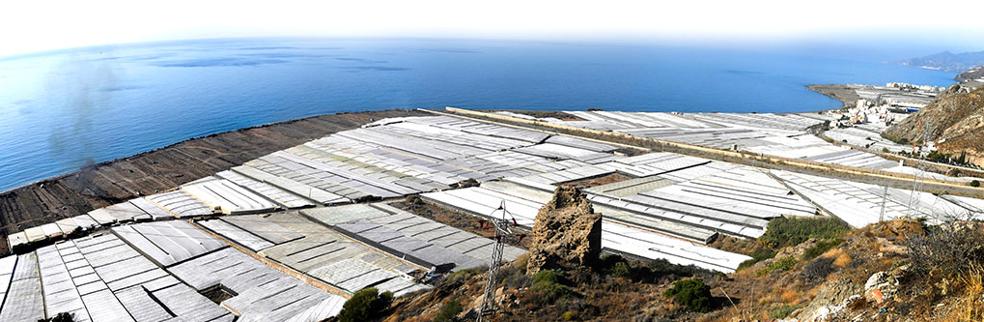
779	264
513	277
662	267
547	286
621	269
449	312
365	305
460	277
817	271
569	316
975	183
758	255
948	250
820	247
782	311
692	293
783	232
60	317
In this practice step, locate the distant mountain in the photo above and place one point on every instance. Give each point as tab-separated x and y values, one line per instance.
947	61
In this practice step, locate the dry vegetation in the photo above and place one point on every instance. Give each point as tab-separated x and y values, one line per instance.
617	290
901	270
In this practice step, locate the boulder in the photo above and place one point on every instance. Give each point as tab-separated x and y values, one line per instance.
566	233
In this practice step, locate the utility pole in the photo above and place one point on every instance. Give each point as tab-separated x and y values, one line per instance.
915	175
503	232
881	216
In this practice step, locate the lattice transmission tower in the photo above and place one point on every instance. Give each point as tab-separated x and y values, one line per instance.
503	221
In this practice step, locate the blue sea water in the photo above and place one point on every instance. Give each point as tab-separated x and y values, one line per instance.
60	111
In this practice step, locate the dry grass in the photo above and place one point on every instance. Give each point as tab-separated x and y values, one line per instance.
789	296
842	260
970	306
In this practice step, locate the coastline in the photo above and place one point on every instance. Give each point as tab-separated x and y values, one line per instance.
841	92
164	168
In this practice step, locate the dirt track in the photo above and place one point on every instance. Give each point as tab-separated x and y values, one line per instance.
163	169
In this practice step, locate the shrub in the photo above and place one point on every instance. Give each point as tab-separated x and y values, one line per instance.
365	305
569	316
782	311
60	317
457	278
783	232
779	264
621	269
513	277
758	255
547	286
948	250
820	247
975	183
817	271
662	267
691	293
615	265
448	312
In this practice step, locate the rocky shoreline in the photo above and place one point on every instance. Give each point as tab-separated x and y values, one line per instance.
163	169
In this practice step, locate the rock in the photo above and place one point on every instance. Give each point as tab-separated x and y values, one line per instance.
874	280
566	233
880	287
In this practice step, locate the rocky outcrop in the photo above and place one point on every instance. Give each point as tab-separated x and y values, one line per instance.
955	121
566	233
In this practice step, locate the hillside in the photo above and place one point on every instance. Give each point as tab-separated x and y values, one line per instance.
899	270
807	269
955	121
947	61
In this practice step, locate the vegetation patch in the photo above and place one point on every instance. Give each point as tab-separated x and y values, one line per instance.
60	317
460	277
780	264
783	232
365	305
548	287
948	251
758	255
782	311
691	293
821	247
449	311
817	271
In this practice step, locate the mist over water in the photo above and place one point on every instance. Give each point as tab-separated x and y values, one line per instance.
64	110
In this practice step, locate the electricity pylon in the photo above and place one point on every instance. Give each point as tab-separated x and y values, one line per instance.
503	232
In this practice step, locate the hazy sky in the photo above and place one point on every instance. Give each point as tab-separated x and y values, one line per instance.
38	25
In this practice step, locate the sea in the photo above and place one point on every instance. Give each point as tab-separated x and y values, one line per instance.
64	110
